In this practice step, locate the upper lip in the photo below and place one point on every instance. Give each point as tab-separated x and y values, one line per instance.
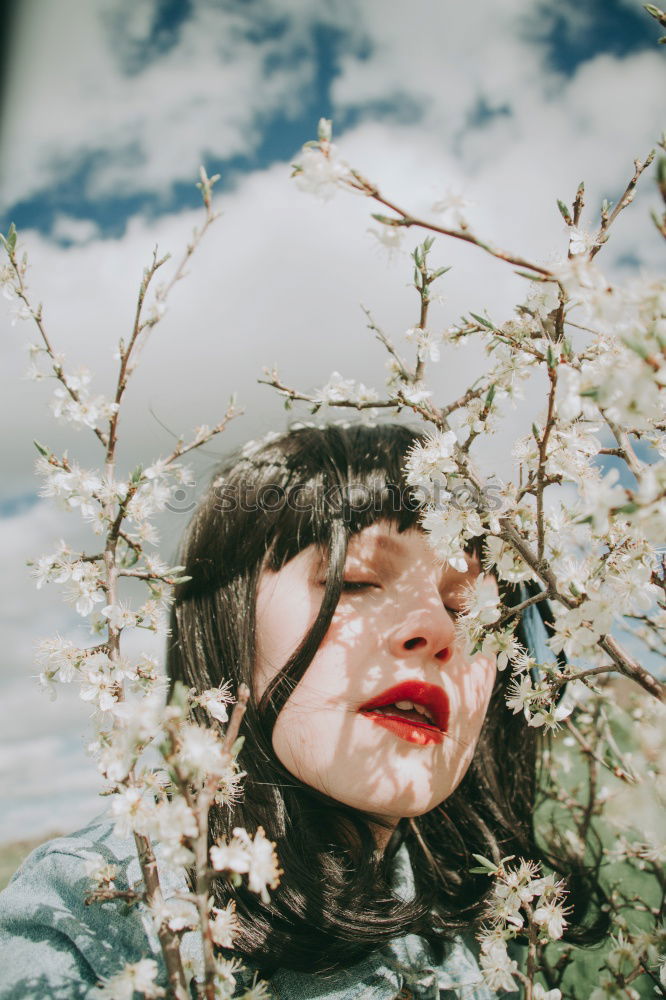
421	693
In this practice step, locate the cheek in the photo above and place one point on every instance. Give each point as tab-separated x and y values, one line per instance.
475	689
280	626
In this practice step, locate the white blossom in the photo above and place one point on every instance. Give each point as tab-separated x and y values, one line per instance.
580	241
319	171
390	237
539	992
502	645
413	392
131	811
75	487
453	205
431	458
577	630
200	752
119	616
481	600
254	857
225	977
136	977
521	694
426	342
608	989
84	586
599	496
177	914
173	823
448	532
497	968
140	719
83	410
550	916
215	702
100	681
61	659
224	925
339	389
550	716
100	872
505	561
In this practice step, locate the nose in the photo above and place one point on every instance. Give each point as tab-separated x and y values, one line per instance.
427	631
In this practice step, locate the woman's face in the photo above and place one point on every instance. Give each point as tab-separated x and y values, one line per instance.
394	624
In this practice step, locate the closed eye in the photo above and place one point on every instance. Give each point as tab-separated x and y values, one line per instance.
454	612
355	586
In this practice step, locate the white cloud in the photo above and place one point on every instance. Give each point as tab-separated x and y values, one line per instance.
67	228
207	95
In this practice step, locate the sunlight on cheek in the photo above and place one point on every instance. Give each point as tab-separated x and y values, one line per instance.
345	627
480	679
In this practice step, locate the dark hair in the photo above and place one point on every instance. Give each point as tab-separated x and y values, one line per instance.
334	904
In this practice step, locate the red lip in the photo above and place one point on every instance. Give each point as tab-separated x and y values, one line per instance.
421	693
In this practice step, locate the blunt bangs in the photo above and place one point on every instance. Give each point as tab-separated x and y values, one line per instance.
336	477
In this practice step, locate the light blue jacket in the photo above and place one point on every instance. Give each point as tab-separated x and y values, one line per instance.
54	947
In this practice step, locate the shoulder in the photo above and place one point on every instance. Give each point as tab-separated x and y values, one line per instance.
456	977
51	943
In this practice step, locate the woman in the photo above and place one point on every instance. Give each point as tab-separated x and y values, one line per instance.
379	757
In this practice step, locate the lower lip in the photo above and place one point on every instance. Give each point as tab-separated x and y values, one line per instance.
410	731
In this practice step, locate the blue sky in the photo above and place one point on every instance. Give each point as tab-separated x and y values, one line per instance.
109	109
567	35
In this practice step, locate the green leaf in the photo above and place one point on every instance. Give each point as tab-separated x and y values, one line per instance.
180	696
385	219
532	276
238	745
136	475
627	508
491	395
439	272
483	321
564	212
11	239
487	867
41	449
636	347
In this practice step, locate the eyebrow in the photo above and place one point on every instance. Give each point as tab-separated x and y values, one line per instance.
390	544
386	542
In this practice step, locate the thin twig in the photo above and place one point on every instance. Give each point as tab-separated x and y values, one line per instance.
407	220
